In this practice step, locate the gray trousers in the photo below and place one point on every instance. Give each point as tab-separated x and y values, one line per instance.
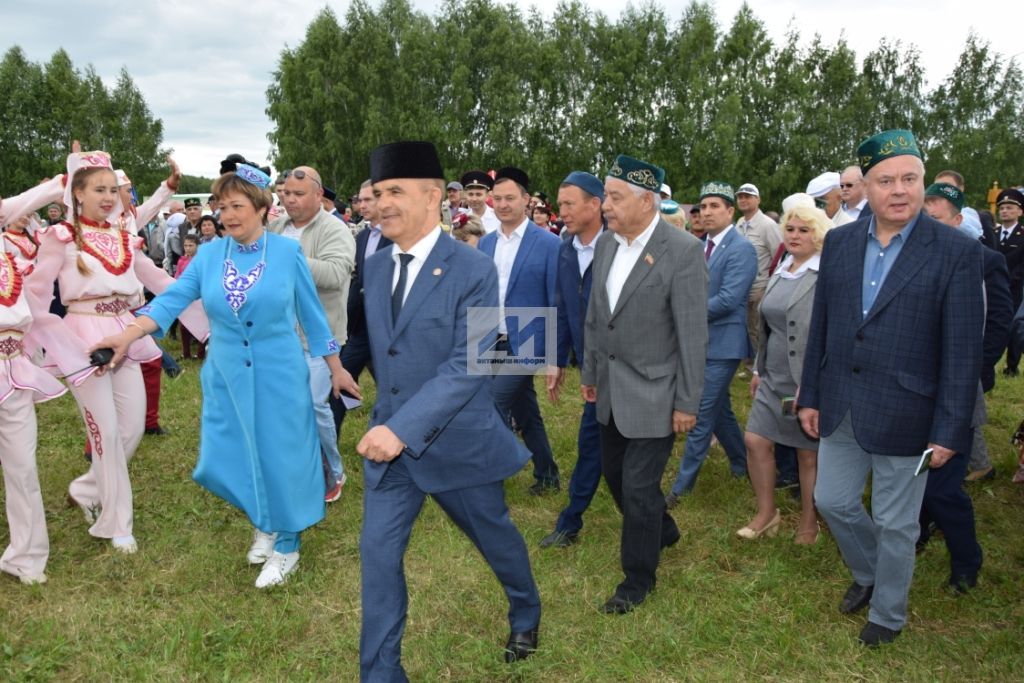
878	548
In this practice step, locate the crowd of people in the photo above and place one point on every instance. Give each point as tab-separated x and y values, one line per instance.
869	318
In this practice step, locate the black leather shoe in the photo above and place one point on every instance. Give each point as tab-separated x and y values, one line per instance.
520	646
620	605
558	539
543	486
873	635
1010	372
857	598
156	431
962	584
671	540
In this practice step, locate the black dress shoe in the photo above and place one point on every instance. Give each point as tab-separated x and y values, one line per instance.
857	598
1010	372
520	646
543	486
962	584
620	605
873	635
156	431
559	539
670	540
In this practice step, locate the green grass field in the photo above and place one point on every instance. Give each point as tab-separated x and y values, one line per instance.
184	608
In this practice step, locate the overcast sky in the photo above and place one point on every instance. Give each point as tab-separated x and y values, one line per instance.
204	67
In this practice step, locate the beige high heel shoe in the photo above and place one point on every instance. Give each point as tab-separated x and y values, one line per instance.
770	529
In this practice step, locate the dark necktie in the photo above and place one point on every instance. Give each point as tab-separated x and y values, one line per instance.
399	293
709	249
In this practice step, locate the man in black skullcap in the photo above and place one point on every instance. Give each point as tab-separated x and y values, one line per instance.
434	429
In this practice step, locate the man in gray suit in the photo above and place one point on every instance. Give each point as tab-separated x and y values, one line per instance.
644	345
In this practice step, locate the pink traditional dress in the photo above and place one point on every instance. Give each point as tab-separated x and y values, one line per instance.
99	303
21	244
21	385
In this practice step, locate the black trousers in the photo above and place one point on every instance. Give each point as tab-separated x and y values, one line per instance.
355	357
948	505
633	469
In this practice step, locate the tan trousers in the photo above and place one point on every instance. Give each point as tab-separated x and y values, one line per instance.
114	410
754	316
29	547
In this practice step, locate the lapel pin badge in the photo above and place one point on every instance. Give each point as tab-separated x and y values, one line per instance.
649	260
437	271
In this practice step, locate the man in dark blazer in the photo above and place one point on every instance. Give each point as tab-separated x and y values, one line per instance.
946	504
526	257
732	267
892	366
645	340
579	206
355	355
434	429
1010	233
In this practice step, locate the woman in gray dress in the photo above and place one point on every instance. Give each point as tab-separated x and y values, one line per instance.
785	314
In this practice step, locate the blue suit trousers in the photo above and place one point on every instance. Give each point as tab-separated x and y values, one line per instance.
586	476
714	418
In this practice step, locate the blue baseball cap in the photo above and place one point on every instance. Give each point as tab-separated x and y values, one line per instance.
587	182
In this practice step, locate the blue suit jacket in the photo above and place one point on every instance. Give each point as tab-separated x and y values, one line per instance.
534	272
908	371
454	435
356	319
731	270
572	296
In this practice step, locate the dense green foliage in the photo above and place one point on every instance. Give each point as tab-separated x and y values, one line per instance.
492	85
46	106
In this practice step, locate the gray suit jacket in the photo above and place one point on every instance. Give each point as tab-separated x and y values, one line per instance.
798	320
330	252
646	357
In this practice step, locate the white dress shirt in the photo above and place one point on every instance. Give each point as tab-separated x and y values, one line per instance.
420	251
626	257
490	220
505	250
372	240
854	211
717	239
585	252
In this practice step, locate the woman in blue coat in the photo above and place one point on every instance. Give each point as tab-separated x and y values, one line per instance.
259	448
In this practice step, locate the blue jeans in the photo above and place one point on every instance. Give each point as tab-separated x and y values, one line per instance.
320	388
586	476
515	395
714	418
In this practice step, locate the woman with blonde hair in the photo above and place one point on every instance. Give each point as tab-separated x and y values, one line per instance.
785	314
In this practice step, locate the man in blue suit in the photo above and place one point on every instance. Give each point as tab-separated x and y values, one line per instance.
526	257
355	355
579	205
434	429
732	267
891	369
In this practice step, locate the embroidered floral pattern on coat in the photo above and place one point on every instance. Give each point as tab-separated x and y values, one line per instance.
236	285
10	281
109	247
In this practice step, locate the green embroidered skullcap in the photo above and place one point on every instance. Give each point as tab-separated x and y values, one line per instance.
885	145
636	172
717	188
949	192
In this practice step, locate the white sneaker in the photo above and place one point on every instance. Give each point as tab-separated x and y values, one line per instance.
261	548
32	579
277	568
125	544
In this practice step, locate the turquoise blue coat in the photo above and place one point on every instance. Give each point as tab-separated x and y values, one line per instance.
258	447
